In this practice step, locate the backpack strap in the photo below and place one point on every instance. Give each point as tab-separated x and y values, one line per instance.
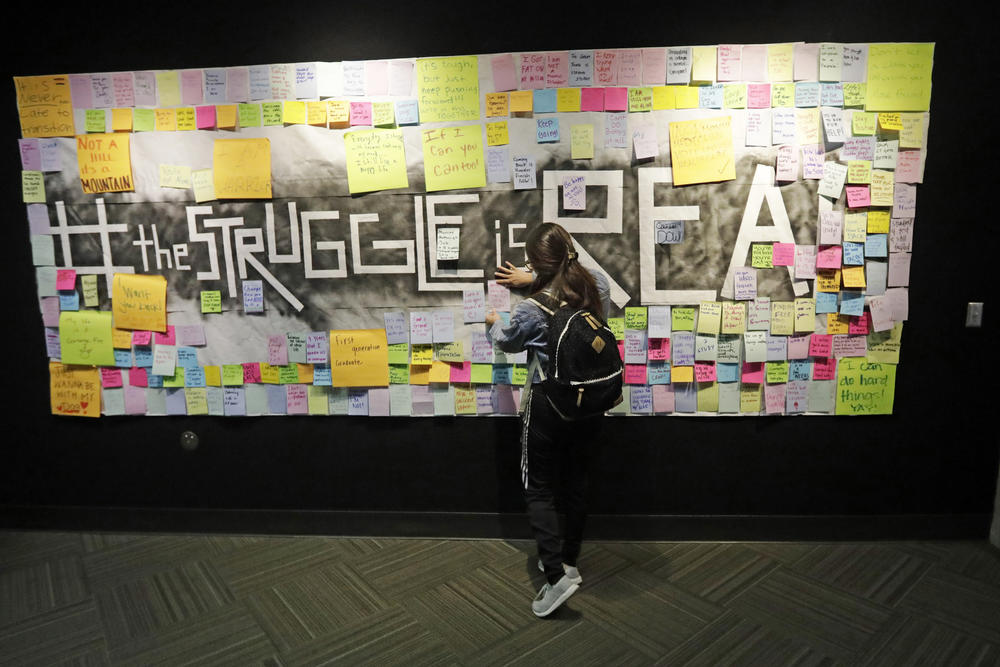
546	302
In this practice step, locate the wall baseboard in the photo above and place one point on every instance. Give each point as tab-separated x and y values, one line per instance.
496	526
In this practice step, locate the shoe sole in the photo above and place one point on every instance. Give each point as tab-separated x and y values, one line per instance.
578	581
558	603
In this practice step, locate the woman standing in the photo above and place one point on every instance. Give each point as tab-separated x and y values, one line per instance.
551	448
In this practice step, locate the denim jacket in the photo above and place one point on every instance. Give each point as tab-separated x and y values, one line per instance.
529	327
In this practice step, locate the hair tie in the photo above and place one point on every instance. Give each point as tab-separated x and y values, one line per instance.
571	255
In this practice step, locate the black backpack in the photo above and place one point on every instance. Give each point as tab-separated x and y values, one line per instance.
585	372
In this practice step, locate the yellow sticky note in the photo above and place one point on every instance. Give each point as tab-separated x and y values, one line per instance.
187	120
521	101
702	150
807	127
734	96
878	222
762	256
863	124
270	374
121	120
805	315
85	337
682	374
203	184
359	358
383	114
708	397
854	94
783	95
856	226
319	400
496	104
316	113
448	89
780	61
45	106
664	98
703	61
213	376
828	280
686	97
376	160
196	399
440	372
168	88
465	399
226	116
750	398
567	100
175	176
859	171
293	112
338	112
912	133
139	302
32	187
453	157
497	134
854	276
74	391
709	317
890	121
782	318
166	120
121	339
734	317
884	346
837	324
883	186
241	168
640	100
582	142
422	354
105	163
899	77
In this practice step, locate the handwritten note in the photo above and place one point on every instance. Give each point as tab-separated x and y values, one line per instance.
702	151
242	168
448	88
105	163
359	358
45	106
85	338
139	302
453	158
376	160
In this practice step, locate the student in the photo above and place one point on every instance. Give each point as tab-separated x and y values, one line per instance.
551	447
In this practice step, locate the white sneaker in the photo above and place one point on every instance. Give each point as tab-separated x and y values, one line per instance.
552	596
572	573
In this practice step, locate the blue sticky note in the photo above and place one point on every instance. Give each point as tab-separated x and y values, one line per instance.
831	94
357	402
69	300
658	372
143	356
806	94
503	374
277	399
710	97
260	83
194	376
187	357
123	358
799	369
155	381
407	112
854	253
727	372
544	101
641	400
877	245
682	348
322	376
176	401
685	397
397	329
777	348
547	129
234	402
214	396
253	296
826	302
852	303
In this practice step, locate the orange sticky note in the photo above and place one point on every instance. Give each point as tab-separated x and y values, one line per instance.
521	101
226	115
75	390
121	120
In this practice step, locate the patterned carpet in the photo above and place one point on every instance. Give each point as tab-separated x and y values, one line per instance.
98	599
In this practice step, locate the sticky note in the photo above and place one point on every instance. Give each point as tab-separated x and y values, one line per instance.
899	77
104	163
74	391
45	106
702	151
242	168
448	88
453	157
139	301
376	160
85	338
359	358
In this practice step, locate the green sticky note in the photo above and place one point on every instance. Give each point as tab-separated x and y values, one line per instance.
96	120
617	326
635	317
482	373
32	187
288	374
85	337
232	375
399	353
682	319
865	387
776	372
143	120
211	301
520	375
399	374
761	256
272	112
319	400
177	379
89	285
249	115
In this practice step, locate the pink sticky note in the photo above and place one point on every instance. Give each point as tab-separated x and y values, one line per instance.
616	99
557	69
704	371
754	59
783	254
820	345
758	96
296	399
498	296
908	167
504	78
825	369
774	399
828	257
806	62
658	349
137	377
532	71
66	279
135	400
190	334
204	117
663	398
361	113
787	164
753	372
858	196
123	86
277	350
192	88
461	372
168	338
654	67
798	347
605	68
251	372
237	84
111	377
50	310
376	77
31	154
730	62
630	67
378	402
592	99
81	91
859	325
635	373
621	349
142	337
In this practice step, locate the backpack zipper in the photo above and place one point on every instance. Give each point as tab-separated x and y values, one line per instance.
579	397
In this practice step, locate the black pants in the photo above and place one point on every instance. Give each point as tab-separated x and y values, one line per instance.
555	457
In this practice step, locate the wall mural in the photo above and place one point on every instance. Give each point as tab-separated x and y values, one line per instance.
321	238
